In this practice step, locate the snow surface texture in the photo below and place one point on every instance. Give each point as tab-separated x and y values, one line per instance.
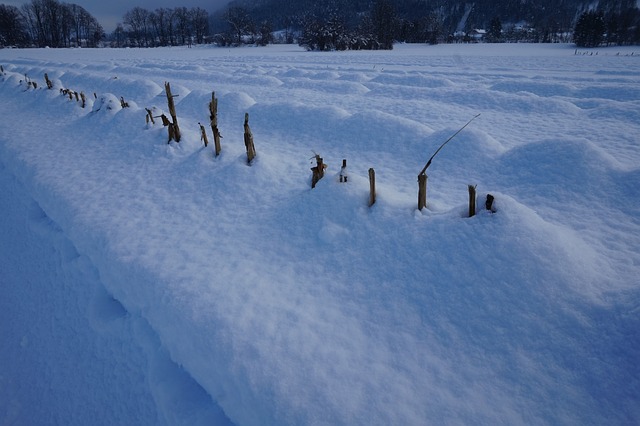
151	283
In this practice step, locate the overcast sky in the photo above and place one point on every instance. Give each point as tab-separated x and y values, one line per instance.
110	12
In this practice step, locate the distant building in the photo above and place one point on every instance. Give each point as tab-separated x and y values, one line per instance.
477	34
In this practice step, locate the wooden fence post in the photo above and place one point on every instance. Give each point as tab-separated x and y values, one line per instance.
174	129
213	116
248	140
422	191
372	187
472	200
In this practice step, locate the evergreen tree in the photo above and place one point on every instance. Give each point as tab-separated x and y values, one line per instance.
383	17
494	34
589	30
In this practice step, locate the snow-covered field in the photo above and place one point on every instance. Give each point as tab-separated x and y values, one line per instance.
153	284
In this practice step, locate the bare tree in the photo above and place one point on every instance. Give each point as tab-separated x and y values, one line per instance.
200	23
138	21
240	22
12	26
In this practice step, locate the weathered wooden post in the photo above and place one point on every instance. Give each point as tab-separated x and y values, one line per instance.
213	116
472	200
248	140
84	99
372	187
343	171
422	191
174	129
203	135
318	171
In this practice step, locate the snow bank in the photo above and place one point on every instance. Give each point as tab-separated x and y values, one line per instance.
288	305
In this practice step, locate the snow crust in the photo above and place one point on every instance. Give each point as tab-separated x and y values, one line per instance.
152	283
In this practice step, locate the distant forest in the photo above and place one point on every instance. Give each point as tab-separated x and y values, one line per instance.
329	24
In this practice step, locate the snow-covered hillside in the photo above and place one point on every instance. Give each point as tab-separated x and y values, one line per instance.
152	283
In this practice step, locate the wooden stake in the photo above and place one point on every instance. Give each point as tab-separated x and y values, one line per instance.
422	191
213	116
175	134
84	99
248	140
203	135
372	187
472	200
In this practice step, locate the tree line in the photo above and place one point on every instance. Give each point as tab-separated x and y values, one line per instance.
162	27
328	24
49	23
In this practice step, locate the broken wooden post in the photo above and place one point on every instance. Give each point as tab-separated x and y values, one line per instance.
472	200
372	187
203	135
422	191
49	83
248	140
318	170
174	129
213	116
343	171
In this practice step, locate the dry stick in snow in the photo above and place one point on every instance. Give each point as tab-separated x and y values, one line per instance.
149	117
372	187
203	135
174	129
213	116
49	83
248	140
472	200
422	176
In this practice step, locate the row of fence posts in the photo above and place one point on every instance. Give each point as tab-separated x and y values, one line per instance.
317	171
